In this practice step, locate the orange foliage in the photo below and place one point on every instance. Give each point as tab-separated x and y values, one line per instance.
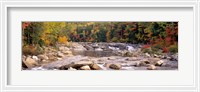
25	24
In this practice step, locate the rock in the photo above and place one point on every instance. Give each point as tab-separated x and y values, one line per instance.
44	61
88	47
78	47
156	56
23	60
142	63
98	49
70	68
159	63
79	64
151	67
147	54
127	54
163	57
35	58
115	66
43	57
52	58
107	65
59	58
67	52
145	61
29	62
62	48
59	54
136	64
130	48
174	57
86	67
96	67
153	59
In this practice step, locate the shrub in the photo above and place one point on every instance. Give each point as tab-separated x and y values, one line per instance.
173	48
32	50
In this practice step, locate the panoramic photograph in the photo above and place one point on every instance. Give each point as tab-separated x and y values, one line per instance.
99	45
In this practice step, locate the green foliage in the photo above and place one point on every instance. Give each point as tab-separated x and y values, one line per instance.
173	48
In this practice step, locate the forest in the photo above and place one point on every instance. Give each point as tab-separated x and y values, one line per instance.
162	35
47	42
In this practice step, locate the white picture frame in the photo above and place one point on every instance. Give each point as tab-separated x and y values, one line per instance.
6	4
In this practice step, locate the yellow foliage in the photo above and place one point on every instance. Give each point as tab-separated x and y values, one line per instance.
47	42
62	39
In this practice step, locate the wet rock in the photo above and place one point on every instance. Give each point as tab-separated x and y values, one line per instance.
115	66
43	57
86	67
151	67
29	62
96	67
159	63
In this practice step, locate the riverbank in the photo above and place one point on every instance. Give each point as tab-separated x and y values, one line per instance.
99	56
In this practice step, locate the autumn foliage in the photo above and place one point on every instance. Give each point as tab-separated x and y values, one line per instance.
159	35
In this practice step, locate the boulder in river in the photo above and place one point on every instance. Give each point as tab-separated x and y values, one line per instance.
86	67
79	64
29	62
96	67
151	67
159	63
115	66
